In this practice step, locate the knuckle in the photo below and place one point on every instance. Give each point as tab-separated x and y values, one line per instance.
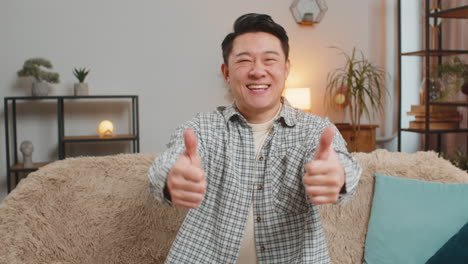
198	199
175	184
335	181
315	200
203	187
309	191
308	180
200	174
176	196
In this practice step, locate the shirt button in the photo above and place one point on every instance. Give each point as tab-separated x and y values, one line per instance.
261	158
259	219
259	187
262	248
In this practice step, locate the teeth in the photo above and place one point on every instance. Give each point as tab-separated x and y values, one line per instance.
257	86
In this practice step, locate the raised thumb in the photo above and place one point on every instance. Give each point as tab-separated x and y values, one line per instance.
190	141
326	139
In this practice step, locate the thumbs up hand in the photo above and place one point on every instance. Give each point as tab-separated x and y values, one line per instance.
186	180
324	176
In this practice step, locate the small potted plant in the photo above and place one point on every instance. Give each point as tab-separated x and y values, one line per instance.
360	86
33	68
455	74
81	88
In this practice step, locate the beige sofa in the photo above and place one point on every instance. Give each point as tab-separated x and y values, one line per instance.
98	210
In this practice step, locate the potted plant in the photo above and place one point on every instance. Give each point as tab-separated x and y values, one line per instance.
81	88
359	85
455	74
33	67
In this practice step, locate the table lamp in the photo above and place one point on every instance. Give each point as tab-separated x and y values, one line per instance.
106	129
299	98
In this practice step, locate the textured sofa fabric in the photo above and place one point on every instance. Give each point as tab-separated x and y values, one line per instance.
98	210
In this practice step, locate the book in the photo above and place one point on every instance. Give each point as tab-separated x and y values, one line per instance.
434	125
449	118
433	108
435	115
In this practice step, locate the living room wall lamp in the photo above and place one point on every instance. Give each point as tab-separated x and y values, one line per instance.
106	129
299	98
308	12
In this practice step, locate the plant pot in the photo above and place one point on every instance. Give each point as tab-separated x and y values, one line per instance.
81	89
40	89
362	139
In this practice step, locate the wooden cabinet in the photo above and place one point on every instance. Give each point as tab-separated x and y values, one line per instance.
363	140
12	162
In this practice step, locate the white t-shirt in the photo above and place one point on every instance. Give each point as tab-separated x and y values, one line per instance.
248	254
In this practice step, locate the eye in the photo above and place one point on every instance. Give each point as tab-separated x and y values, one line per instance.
243	60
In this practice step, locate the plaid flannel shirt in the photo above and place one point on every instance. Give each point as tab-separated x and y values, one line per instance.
287	226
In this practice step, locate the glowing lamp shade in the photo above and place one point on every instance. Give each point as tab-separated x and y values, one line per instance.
106	129
298	97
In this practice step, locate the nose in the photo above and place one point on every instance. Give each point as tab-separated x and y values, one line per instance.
257	71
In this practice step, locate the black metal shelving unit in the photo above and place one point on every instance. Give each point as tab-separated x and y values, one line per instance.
11	143
452	13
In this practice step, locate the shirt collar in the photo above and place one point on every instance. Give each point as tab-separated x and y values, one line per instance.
288	113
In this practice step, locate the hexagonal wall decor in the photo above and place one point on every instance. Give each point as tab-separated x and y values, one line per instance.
308	12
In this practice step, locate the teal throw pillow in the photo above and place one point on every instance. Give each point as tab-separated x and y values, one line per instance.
411	219
455	251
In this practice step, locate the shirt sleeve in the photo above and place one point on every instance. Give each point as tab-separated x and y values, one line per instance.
161	166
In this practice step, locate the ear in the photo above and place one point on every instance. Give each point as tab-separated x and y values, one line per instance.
225	71
288	66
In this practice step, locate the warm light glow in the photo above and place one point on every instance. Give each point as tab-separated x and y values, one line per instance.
298	97
106	129
340	99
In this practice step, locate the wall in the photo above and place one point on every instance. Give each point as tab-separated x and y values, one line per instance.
411	34
167	52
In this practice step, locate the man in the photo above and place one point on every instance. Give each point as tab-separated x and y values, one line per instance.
253	172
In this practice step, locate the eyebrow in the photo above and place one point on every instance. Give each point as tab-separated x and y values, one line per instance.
248	53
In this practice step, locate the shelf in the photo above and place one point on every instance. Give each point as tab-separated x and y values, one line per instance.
97	138
19	166
435	53
437	121
459	12
10	115
439	131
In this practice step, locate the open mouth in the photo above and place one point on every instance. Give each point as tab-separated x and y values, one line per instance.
258	87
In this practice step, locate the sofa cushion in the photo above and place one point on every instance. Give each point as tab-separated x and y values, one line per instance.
411	219
454	251
346	225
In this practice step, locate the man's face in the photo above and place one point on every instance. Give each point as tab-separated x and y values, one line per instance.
256	72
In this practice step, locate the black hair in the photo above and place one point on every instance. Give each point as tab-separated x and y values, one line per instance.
255	23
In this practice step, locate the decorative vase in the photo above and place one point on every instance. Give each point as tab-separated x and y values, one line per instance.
40	89
436	89
81	89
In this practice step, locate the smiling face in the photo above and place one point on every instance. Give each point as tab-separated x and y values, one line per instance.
256	72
